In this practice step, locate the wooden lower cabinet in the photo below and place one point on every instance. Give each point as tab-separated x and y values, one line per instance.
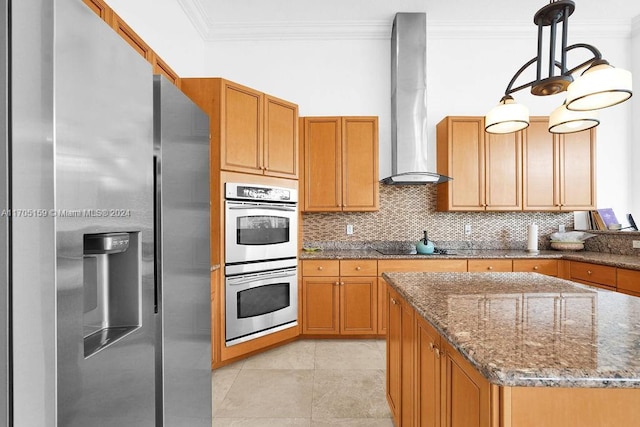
428	355
550	267
601	276
339	305
628	281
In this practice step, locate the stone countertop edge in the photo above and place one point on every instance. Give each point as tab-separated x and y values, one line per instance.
623	261
530	376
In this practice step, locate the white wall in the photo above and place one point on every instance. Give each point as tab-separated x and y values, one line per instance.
165	27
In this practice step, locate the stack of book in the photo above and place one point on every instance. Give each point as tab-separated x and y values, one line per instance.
600	219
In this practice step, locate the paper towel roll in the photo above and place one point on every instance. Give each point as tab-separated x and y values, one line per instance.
532	238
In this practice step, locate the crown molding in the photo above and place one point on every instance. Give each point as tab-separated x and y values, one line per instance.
198	16
212	31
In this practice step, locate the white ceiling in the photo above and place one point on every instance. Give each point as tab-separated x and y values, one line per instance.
214	18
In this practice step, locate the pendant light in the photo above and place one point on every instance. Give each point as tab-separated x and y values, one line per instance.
599	86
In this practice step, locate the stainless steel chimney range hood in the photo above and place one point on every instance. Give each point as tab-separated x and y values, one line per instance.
409	102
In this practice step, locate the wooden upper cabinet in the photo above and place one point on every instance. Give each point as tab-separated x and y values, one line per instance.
101	9
161	67
531	170
132	38
340	164
359	163
540	166
577	170
460	149
241	128
559	170
280	137
503	171
251	132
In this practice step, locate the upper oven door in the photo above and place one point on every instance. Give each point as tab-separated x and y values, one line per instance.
258	231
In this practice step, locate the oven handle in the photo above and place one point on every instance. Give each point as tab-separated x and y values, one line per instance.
268	207
254	277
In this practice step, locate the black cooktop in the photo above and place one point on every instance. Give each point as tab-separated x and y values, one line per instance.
412	251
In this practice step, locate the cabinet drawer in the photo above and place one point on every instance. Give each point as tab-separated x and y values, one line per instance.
422	265
355	267
594	273
490	265
320	267
542	266
628	281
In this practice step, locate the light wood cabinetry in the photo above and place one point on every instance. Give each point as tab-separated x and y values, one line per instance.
340	164
628	281
428	355
251	132
159	66
559	170
339	297
543	266
490	265
530	170
601	276
487	168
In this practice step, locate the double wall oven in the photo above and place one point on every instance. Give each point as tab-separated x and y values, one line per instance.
261	278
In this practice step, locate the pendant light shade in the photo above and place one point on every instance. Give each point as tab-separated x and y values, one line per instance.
600	86
506	117
563	120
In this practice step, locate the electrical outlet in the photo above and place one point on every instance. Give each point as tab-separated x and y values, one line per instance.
561	228
349	228
636	244
467	229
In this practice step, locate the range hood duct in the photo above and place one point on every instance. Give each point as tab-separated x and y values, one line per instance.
409	102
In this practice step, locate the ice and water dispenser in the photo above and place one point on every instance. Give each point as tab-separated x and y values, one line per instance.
112	288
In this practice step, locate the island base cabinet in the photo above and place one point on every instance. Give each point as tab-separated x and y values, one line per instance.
561	407
428	358
466	394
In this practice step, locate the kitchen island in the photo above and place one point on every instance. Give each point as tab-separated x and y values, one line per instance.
510	349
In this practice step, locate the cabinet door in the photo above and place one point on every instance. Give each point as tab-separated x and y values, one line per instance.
628	281
542	266
460	151
280	138
489	265
382	306
323	160
241	132
161	67
427	375
360	164
578	171
321	304
467	394
408	372
358	306
503	166
131	37
101	9
394	353
540	165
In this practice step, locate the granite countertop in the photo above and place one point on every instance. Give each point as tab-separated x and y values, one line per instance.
622	261
527	329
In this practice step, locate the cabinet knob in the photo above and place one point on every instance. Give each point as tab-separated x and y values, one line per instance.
490	267
337	284
320	268
341	283
535	267
589	272
437	350
431	346
358	268
394	302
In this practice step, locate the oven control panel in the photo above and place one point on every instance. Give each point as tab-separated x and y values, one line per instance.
239	191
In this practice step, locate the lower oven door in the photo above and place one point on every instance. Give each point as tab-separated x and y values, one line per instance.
260	303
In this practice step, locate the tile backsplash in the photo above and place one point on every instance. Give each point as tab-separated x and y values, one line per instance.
405	211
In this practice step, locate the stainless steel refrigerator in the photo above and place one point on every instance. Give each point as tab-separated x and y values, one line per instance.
104	230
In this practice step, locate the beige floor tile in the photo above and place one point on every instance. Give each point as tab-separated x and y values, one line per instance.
296	355
348	354
340	393
261	422
353	422
221	381
269	393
